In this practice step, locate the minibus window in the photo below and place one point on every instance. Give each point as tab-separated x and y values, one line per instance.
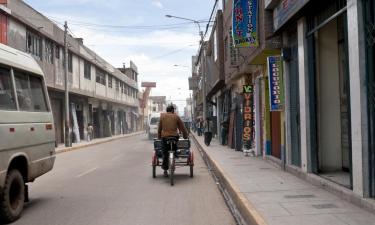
6	93
30	93
154	120
37	94
23	91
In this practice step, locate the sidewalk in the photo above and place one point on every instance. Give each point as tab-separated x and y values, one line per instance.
61	148
264	194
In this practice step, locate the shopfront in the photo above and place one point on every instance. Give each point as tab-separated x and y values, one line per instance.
329	97
290	57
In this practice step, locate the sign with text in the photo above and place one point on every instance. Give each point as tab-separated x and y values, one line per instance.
248	116
276	84
285	10
245	23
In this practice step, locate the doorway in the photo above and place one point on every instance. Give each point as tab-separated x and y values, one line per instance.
57	119
96	123
276	134
332	102
81	126
294	105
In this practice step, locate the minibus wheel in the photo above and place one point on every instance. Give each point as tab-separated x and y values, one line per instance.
13	196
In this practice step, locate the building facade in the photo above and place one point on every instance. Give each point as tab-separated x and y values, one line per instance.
99	94
316	58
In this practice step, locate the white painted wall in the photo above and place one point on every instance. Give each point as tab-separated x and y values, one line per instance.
76	72
328	99
100	89
304	97
358	97
111	92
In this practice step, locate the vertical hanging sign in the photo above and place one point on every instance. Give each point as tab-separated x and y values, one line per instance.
276	84
244	18
248	116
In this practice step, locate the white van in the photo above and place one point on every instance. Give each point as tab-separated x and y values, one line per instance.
27	136
153	123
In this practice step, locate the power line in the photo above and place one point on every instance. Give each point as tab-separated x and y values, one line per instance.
89	24
172	52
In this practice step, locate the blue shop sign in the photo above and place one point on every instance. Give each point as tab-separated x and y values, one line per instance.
276	83
285	10
244	21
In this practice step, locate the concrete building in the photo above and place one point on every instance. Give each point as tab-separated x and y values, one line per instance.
211	59
327	91
323	129
188	110
99	93
158	104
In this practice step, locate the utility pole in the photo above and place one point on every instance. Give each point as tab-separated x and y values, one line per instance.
203	55
191	109
67	116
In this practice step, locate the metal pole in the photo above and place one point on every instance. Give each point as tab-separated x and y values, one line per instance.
204	83
67	116
191	109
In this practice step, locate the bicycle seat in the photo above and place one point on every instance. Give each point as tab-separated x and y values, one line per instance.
172	140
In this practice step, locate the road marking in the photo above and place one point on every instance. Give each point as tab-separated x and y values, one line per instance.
87	172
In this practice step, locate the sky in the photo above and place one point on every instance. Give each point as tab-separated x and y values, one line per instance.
124	30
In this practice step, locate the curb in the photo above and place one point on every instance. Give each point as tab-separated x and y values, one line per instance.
106	140
247	211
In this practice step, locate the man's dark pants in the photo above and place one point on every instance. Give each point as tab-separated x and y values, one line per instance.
166	148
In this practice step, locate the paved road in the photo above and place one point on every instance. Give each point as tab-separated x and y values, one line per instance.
111	184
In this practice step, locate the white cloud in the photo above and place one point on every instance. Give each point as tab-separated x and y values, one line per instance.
144	50
157	4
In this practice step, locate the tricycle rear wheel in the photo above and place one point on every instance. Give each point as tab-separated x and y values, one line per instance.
153	171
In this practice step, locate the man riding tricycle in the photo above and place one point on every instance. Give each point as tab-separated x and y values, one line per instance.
169	149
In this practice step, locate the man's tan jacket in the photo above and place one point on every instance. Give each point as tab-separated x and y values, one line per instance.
170	124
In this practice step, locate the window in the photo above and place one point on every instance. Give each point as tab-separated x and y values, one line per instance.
6	93
30	92
127	90
233	50
100	76
57	51
49	51
87	70
117	85
122	87
34	44
109	81
215	47
70	62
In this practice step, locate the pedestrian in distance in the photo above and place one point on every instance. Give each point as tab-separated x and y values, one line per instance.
90	132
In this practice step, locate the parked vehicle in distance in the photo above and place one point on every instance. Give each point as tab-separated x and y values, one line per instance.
153	123
27	135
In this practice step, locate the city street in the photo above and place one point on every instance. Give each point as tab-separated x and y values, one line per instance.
277	96
112	183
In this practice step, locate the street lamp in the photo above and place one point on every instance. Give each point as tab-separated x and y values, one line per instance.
201	43
176	65
194	21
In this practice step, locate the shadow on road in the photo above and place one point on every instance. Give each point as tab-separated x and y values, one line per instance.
32	205
179	179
